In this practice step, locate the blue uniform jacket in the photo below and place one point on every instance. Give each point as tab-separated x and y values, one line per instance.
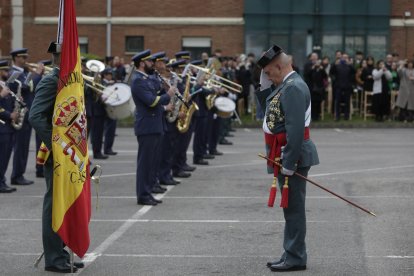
149	105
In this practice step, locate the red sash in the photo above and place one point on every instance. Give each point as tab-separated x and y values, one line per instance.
274	144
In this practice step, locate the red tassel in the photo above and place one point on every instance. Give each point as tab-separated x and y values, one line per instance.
284	203
272	195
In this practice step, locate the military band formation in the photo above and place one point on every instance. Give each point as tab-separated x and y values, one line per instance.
172	99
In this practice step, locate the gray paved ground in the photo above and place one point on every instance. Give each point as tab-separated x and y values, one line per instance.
217	222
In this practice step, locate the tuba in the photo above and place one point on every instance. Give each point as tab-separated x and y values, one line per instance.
184	123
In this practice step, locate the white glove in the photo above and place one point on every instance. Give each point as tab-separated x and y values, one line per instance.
265	83
287	172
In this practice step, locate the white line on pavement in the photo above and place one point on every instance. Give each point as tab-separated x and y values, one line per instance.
213	256
91	257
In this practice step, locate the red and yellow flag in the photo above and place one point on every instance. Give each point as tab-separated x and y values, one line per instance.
71	209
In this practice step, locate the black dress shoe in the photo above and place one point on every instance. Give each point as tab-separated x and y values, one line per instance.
100	156
200	162
269	264
110	152
40	174
229	135
208	156
188	168
158	190
282	267
63	268
148	201
4	189
216	152
157	200
77	264
176	181
225	142
21	181
167	182
182	174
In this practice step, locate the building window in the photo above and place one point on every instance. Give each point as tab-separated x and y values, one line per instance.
83	44
134	44
197	45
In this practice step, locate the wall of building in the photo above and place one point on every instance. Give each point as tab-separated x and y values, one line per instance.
228	37
5	28
402	35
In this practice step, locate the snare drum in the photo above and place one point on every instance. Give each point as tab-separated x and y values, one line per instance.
118	98
225	107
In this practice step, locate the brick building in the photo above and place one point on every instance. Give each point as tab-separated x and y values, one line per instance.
130	26
234	26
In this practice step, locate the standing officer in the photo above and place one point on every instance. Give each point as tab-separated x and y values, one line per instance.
149	126
286	127
56	257
22	139
6	130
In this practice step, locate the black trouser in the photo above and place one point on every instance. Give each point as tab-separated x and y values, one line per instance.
200	138
6	147
342	96
97	133
110	128
21	150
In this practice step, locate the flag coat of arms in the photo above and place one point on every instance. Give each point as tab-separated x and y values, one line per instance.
71	209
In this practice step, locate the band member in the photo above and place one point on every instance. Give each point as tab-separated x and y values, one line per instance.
22	139
286	99
149	126
7	132
99	116
109	124
169	139
201	121
56	257
180	167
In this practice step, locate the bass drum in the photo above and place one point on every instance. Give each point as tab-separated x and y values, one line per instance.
118	98
225	107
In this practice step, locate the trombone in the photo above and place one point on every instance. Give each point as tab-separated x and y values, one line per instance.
34	66
216	80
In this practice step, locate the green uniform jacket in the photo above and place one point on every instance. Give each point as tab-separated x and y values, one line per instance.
287	110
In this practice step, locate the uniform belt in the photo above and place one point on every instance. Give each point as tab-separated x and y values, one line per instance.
274	144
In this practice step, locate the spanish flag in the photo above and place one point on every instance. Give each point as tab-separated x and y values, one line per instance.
71	209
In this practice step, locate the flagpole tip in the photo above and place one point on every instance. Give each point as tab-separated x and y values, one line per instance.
371	213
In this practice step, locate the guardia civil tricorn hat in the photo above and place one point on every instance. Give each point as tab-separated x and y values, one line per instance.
270	54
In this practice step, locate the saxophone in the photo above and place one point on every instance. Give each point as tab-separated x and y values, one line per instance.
184	123
18	108
175	101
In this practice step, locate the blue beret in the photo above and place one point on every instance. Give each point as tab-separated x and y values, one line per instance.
160	56
4	64
270	54
19	52
141	56
196	62
177	63
106	71
183	55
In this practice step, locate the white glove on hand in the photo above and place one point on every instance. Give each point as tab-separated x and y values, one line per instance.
287	172
265	83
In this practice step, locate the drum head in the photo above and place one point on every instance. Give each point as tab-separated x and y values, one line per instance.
224	104
117	94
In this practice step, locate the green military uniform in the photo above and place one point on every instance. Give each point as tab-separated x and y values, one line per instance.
40	117
288	111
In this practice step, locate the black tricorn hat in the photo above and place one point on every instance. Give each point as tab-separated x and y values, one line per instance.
54	48
270	54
